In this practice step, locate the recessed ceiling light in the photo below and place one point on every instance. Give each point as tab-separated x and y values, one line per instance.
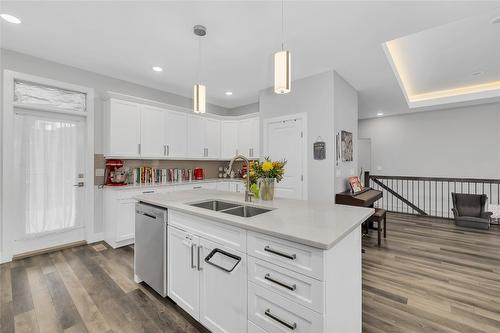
157	69
229	93
380	114
10	18
478	73
496	20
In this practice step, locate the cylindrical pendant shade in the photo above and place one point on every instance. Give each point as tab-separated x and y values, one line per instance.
282	77
199	98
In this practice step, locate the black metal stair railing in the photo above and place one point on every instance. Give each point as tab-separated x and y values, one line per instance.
428	196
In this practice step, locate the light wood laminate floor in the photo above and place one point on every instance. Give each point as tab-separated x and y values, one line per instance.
429	276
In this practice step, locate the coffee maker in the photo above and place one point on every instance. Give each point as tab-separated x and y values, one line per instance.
113	175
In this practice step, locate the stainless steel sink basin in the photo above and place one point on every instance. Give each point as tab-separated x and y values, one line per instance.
231	208
215	205
246	211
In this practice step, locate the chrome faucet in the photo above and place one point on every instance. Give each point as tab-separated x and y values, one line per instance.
248	194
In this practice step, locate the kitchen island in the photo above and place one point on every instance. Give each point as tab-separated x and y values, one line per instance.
267	266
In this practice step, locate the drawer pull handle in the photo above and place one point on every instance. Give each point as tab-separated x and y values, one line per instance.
283	284
192	255
291	326
146	192
279	253
195	187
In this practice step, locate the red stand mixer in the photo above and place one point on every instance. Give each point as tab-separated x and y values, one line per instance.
115	176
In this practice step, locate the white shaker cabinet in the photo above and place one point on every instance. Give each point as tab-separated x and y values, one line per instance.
183	270
152	132
223	294
122	123
229	138
248	137
196	136
176	129
212	137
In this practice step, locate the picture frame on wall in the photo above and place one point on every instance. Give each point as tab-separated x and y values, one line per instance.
346	146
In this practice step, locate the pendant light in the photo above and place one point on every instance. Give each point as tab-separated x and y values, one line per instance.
199	90
282	77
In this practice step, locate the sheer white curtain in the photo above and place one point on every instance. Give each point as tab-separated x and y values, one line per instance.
46	163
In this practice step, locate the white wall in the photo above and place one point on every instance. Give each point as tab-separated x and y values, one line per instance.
315	95
345	106
244	109
460	142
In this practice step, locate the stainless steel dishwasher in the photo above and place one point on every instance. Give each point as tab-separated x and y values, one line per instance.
150	249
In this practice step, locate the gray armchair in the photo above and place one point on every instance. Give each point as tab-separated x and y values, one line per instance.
469	210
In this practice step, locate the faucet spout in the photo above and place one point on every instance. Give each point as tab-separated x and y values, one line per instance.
248	194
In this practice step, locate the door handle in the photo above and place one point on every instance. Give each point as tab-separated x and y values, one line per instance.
168	150
279	253
164	150
283	284
199	254
192	255
79	184
285	323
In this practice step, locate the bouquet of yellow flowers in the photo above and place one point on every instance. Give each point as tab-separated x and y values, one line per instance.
267	169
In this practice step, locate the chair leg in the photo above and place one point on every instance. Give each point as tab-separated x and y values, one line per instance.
379	232
385	226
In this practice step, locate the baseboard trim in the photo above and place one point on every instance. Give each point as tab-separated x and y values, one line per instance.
48	250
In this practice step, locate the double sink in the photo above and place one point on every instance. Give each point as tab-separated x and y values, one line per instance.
232	208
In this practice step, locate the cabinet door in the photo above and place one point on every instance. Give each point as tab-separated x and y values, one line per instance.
176	134
125	219
183	274
196	132
152	132
244	136
212	138
223	295
229	138
124	128
254	138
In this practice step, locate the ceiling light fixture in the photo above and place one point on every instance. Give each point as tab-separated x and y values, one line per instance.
199	90
157	69
10	18
282	76
229	93
380	114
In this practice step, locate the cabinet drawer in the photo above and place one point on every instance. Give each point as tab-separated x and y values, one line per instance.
299	258
294	286
252	328
223	234
276	314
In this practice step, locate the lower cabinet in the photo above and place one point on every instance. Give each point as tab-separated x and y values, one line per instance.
212	289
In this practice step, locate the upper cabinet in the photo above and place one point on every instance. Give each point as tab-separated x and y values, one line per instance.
135	130
176	127
122	128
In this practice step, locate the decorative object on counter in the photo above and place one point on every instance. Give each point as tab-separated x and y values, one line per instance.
355	184
226	172
232	174
221	170
319	149
198	174
267	173
347	148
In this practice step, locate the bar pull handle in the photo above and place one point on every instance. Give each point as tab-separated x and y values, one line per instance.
285	323
164	150
139	148
168	150
279	253
292	287
199	254
192	256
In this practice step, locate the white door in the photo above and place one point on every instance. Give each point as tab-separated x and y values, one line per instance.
124	128
49	179
196	136
223	295
183	274
284	139
152	135
176	134
229	138
212	138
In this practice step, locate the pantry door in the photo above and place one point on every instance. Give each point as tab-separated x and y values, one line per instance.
49	175
285	138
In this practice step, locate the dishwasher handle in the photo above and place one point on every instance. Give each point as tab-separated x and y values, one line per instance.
145	214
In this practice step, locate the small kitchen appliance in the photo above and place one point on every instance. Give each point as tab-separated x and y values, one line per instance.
115	175
198	174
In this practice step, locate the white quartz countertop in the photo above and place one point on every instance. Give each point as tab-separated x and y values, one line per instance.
317	224
142	186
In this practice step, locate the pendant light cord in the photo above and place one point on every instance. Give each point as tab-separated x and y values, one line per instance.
199	60
282	24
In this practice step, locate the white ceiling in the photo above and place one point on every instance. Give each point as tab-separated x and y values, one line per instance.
125	39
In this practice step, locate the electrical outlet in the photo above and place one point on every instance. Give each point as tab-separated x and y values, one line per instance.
99	172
